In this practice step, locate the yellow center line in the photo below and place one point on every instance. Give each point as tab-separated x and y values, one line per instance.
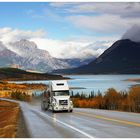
108	119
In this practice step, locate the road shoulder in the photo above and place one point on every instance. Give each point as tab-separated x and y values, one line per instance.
22	131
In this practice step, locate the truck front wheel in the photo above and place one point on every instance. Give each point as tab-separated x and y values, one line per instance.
44	106
52	109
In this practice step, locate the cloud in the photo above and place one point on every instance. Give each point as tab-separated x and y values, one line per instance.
60	48
103	23
125	9
73	49
133	33
97	26
70	48
60	4
10	35
111	17
92	18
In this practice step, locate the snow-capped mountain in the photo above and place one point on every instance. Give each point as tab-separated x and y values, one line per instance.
26	55
8	57
2	47
34	58
123	57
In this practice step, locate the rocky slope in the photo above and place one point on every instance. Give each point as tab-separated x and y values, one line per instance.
34	58
26	55
8	57
122	57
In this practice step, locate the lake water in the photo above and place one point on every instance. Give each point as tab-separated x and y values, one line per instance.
97	82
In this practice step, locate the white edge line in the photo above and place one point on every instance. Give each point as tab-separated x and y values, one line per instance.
45	115
70	126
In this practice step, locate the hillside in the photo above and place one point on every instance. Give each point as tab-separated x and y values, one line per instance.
123	57
33	58
26	55
14	74
8	57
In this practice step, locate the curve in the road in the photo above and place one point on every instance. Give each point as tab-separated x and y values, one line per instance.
80	124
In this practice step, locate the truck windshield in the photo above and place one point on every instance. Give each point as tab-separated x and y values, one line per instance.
61	93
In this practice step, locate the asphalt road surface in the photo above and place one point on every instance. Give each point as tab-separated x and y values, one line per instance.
81	123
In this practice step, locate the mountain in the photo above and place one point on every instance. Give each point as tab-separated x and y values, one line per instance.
34	58
77	62
8	57
14	74
123	57
26	55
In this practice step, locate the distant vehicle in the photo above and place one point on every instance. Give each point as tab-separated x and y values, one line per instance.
57	97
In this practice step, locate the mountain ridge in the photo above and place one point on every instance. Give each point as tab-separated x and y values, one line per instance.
121	58
26	55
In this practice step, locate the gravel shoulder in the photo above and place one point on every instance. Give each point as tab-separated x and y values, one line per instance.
22	127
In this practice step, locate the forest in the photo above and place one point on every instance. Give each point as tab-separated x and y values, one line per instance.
112	100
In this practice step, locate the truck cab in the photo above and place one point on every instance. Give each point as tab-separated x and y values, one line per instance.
57	97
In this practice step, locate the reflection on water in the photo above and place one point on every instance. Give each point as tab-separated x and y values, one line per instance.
96	82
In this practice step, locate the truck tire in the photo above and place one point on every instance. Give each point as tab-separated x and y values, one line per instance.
71	110
44	106
53	110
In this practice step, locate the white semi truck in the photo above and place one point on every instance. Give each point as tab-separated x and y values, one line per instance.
57	97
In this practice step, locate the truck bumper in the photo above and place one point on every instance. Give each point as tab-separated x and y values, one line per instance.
63	108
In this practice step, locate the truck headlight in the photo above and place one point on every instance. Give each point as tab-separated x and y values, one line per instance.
71	103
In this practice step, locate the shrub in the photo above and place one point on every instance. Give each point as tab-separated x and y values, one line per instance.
134	99
22	96
111	100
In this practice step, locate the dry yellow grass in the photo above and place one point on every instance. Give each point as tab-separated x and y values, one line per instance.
6	88
24	86
9	112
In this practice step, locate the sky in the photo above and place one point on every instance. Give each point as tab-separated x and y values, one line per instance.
68	30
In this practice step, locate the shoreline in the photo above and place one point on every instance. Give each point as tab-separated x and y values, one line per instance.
30	79
15	74
76	88
133	80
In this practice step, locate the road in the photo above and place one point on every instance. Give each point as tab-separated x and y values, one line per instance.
81	123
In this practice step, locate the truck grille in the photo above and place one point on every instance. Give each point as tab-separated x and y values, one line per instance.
63	102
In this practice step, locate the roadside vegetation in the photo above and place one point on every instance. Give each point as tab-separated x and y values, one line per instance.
19	91
4	85
22	96
16	95
9	112
111	100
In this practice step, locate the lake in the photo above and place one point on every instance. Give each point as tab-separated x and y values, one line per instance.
97	82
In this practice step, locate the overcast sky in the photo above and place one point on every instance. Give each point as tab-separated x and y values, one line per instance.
68	30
